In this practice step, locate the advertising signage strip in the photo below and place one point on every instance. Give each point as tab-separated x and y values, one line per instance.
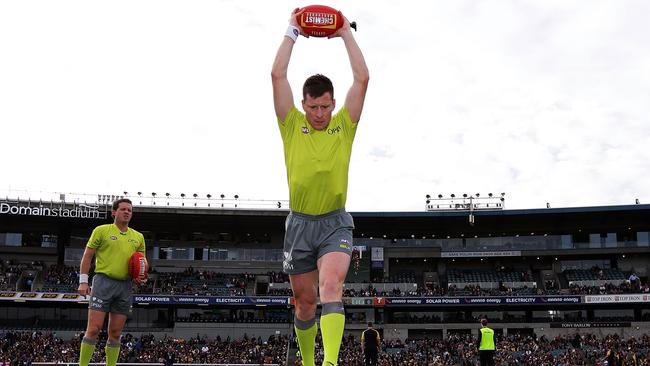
495	300
592	325
209	300
368	301
494	253
616	299
149	299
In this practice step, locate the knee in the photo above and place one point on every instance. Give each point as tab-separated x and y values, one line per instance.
114	334
306	305
331	289
92	331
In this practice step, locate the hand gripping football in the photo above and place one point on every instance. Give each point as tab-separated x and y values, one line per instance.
320	20
138	266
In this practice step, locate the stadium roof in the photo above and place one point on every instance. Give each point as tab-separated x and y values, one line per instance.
534	211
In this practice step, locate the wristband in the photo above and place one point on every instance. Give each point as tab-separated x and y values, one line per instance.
292	32
83	278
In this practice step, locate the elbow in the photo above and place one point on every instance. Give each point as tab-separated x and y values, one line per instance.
278	74
363	78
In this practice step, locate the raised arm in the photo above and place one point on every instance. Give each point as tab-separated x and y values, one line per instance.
282	95
357	93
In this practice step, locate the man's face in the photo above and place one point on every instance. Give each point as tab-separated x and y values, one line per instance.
319	110
123	213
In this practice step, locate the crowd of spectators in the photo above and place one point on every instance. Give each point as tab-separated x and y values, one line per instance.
23	348
18	348
7	281
202	282
420	291
512	350
278	277
280	292
62	278
609	289
10	271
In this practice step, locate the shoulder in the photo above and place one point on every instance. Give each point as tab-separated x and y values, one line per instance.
292	115
343	114
137	233
342	119
291	124
102	229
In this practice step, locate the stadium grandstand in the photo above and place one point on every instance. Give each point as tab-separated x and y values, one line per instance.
560	286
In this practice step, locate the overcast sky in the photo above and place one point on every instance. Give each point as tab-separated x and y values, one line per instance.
547	101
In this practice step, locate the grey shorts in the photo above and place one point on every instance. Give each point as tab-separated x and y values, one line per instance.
109	295
308	238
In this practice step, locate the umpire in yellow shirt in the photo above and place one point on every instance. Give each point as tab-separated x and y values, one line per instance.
317	150
112	245
486	344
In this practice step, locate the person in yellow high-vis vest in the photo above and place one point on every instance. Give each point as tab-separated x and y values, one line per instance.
486	344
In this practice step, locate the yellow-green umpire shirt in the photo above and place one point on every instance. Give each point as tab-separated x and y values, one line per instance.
317	161
114	249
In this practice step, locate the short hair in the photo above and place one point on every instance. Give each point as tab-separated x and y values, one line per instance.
369	324
316	86
116	204
484	322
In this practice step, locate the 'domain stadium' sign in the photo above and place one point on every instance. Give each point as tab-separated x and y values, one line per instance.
83	211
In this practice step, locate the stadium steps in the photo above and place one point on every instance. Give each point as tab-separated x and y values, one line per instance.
538	278
260	286
26	279
251	287
430	279
562	280
292	350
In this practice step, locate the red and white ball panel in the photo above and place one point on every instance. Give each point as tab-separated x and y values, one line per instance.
319	20
138	266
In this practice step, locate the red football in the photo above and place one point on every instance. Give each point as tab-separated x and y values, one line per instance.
319	20
138	266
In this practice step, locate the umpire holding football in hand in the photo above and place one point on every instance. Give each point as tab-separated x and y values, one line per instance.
317	149
112	245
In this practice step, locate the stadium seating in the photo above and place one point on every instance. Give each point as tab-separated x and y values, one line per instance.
63	278
403	277
455	275
609	274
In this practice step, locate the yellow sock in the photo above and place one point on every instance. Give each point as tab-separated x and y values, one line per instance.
332	324
112	353
86	352
306	333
